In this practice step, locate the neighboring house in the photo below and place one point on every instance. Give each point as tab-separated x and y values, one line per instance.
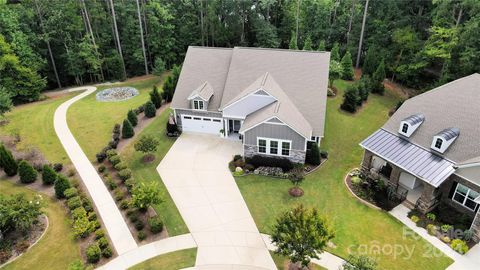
272	100
430	148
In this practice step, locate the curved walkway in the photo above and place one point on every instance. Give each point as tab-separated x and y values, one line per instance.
116	227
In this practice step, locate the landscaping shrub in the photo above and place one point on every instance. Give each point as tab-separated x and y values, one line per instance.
118	195
459	246
113	144
156	224
116	129
58	167
129	184
81	227
350	99
93	253
125	174
27	172
133	217
115	160
313	154
92	216
431	216
48	175
101	168
111	153
132	117
231	166
141	235
94	225
101	156
102	242
237	157
150	110
107	252
467	235
99	233
7	162
139	225
172	128
74	202
415	219
446	239
155	97
61	184
124	204
432	229
78	213
131	212
259	161
110	183
127	129
70	192
323	154
87	204
120	166
140	109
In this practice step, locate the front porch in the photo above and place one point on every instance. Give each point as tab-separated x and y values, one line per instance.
232	128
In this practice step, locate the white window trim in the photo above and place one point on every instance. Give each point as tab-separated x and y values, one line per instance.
279	147
464	200
198	104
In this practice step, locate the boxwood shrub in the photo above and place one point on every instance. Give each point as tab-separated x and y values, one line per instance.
27	172
70	192
114	160
99	233
259	161
125	174
102	242
120	166
93	253
74	202
156	224
107	252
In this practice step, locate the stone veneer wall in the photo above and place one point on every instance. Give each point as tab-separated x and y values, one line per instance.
179	112
447	186
296	156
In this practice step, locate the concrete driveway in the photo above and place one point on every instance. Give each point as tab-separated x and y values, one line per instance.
196	175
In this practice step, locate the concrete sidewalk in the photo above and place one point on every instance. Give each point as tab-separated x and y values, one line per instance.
196	175
116	227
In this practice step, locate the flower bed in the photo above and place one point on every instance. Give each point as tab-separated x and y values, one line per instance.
448	225
116	94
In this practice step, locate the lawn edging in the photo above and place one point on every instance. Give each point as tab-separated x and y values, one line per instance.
32	245
355	195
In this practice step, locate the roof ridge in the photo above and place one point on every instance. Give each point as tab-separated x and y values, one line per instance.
278	49
264	79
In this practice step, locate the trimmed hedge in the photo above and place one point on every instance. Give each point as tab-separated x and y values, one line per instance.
70	192
93	253
48	175
156	224
264	161
125	174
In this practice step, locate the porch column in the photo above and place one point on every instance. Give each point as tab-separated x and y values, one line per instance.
475	227
428	200
394	175
367	161
225	122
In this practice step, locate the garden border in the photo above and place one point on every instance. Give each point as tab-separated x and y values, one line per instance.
32	245
276	177
355	195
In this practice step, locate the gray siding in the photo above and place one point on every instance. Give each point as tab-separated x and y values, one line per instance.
179	112
274	131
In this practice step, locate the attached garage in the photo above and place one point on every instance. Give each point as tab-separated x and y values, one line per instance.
201	124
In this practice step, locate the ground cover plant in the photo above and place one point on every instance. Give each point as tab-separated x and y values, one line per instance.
355	223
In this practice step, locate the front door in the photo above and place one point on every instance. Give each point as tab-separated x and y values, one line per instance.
233	126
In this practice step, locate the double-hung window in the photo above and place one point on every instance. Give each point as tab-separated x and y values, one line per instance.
274	147
465	196
262	146
198	105
285	148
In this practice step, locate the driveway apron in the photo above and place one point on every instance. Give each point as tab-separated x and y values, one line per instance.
196	174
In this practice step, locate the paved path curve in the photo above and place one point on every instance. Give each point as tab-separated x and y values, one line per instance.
116	227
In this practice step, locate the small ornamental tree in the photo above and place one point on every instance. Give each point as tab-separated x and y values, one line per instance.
335	72
147	144
61	184
159	66
361	262
168	89
18	212
307	45
144	195
377	78
301	234
150	110
321	45
48	175
335	52
127	129
347	66
132	117
296	176
350	99
155	97
26	172
7	162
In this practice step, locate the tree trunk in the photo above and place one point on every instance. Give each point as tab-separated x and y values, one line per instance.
141	37
298	14
459	17
352	13
118	39
48	46
361	34
149	53
89	29
201	22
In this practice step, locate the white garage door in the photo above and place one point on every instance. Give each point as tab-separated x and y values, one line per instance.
201	124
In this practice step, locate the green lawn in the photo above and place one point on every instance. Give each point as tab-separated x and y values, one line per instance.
170	261
57	249
91	121
355	223
148	172
34	123
281	262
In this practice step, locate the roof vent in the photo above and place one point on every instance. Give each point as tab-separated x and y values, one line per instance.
410	124
444	139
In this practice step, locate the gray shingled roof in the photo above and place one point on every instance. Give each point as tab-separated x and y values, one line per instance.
205	92
282	108
455	104
410	157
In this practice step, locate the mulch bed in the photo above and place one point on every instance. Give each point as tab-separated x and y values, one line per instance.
295	192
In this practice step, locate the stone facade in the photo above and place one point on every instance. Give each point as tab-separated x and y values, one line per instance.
296	156
446	190
429	199
180	112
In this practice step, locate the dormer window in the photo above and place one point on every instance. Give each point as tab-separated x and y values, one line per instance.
198	104
438	143
410	124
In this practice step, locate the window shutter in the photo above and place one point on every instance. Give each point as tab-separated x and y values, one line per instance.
452	189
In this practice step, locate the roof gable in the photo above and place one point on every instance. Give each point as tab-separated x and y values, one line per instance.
204	91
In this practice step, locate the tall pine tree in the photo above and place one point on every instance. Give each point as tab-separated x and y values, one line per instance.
7	162
347	66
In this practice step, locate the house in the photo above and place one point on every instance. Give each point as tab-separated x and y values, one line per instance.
430	149
272	100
